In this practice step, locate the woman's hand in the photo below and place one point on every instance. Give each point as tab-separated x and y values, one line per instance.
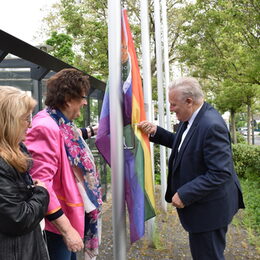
88	132
95	129
147	127
92	130
73	240
70	235
39	183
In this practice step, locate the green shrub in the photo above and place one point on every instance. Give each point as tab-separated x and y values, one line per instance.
157	171
247	160
251	214
240	138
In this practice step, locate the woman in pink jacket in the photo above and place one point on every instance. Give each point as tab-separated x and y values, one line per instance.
63	161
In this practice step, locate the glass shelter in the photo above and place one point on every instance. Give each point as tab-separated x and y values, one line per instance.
28	68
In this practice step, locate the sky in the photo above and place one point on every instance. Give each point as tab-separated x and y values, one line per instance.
23	18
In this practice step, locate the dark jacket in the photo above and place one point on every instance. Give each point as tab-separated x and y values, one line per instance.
22	207
203	173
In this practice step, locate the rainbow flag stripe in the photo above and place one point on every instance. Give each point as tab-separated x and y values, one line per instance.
139	192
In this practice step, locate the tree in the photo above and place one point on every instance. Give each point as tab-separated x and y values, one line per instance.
216	41
229	98
220	41
86	22
220	44
62	47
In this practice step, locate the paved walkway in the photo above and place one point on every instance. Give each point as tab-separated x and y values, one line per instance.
171	240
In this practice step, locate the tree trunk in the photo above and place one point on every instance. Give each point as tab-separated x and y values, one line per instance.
253	129
233	127
248	123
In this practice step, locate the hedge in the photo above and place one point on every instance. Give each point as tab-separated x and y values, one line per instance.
246	159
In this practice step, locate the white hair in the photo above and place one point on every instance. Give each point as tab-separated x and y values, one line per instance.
189	88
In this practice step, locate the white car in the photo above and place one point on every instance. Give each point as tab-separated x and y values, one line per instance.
243	130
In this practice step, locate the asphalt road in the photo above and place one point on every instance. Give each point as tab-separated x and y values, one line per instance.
256	138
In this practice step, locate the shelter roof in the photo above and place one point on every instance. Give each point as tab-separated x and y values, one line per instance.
33	65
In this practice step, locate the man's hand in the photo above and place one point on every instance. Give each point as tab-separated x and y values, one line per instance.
147	127
176	201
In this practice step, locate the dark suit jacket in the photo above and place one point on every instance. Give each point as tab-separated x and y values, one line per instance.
203	173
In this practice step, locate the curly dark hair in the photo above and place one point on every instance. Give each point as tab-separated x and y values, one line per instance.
64	86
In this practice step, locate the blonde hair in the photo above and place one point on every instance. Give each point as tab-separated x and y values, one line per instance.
14	105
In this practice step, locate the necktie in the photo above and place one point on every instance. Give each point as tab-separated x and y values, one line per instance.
183	128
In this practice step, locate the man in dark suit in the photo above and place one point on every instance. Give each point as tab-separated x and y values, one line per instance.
202	183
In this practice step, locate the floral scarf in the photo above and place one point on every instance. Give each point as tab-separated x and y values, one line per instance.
80	156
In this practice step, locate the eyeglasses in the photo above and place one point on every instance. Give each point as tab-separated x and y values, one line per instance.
28	119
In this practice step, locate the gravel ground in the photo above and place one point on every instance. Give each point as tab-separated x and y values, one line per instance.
171	240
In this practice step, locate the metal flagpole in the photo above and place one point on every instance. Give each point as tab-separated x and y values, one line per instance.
147	86
160	97
116	129
166	66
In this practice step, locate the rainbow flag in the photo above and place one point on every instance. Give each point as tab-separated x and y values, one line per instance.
139	192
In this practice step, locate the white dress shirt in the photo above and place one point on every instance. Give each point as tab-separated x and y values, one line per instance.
190	122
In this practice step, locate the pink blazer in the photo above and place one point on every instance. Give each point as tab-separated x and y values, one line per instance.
51	165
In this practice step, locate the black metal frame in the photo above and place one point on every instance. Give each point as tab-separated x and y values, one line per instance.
40	66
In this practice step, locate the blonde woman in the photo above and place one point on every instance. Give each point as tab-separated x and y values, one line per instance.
23	202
